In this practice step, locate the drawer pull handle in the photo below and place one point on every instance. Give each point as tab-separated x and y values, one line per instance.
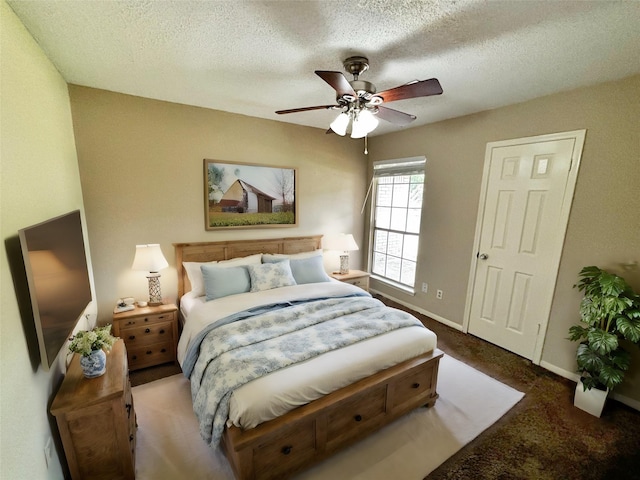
358	418
147	330
415	385
132	337
162	331
163	350
128	405
286	450
148	352
134	357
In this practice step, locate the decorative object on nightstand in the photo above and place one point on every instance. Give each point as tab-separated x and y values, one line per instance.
149	258
354	277
149	333
345	243
91	345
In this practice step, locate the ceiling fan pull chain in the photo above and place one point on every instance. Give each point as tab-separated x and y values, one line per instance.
366	151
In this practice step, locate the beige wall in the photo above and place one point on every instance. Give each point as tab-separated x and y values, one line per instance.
141	165
604	226
39	180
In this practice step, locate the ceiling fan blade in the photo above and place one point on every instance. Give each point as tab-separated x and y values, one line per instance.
304	109
394	116
423	88
338	81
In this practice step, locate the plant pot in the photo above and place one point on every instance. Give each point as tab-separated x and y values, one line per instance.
591	401
94	364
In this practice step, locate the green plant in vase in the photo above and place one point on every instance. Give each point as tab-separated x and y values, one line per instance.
609	312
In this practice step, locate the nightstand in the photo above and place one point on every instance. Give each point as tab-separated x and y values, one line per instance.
149	333
354	277
97	421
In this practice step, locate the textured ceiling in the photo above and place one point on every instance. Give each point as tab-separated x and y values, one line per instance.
255	57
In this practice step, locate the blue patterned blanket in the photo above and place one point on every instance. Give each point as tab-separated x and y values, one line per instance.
240	351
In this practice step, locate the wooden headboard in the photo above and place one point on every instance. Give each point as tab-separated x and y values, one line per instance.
209	251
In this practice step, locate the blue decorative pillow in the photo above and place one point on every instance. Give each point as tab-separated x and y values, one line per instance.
270	275
305	270
221	282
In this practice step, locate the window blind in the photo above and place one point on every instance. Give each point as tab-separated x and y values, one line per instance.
401	166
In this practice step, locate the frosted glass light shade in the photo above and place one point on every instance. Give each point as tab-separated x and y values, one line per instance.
340	124
364	123
149	258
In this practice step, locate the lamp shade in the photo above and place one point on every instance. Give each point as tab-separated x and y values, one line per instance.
340	124
364	123
149	258
344	242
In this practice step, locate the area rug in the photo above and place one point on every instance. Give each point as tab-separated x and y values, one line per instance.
169	444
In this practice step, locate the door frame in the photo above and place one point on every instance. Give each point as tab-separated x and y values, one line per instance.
578	137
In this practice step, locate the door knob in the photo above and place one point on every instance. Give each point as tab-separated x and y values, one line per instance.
483	256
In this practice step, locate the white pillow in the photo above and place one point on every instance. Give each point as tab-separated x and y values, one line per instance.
270	275
239	261
195	273
272	256
195	277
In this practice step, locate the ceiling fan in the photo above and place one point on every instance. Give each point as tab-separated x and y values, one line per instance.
361	105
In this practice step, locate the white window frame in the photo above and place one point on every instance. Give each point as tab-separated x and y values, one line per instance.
387	168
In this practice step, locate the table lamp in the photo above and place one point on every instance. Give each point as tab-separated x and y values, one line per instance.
345	243
149	258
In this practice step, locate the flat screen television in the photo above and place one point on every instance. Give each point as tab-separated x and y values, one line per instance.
58	278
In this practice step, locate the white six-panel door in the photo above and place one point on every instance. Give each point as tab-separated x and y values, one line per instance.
527	191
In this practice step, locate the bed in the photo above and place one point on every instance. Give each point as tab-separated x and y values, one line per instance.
288	419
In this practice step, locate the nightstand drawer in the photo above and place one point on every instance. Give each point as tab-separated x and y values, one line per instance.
147	334
362	282
147	355
136	322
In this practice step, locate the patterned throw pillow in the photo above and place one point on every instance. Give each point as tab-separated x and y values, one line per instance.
270	275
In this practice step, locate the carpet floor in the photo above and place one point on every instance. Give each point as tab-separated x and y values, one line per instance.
169	444
543	437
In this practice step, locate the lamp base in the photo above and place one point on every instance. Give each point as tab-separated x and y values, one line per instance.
155	293
344	264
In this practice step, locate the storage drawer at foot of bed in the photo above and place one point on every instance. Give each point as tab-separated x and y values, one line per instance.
144	356
294	446
408	388
349	418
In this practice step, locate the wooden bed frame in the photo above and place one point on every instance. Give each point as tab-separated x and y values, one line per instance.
306	435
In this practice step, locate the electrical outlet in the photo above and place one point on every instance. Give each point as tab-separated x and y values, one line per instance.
47	451
425	287
439	294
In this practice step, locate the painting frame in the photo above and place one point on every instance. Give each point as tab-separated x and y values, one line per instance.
249	195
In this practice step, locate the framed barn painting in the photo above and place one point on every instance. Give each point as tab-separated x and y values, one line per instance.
242	195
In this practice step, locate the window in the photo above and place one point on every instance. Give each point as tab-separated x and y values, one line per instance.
397	208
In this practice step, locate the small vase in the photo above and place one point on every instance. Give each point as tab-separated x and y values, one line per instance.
94	364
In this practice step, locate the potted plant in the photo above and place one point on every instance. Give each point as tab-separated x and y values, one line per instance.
91	344
609	313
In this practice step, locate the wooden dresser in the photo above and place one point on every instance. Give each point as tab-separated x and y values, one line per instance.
149	333
97	421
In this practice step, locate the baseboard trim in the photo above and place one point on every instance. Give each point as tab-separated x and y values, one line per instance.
629	402
448	323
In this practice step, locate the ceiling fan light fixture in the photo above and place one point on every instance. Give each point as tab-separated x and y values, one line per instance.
340	124
364	123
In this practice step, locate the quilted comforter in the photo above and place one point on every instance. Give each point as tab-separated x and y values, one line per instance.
236	350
